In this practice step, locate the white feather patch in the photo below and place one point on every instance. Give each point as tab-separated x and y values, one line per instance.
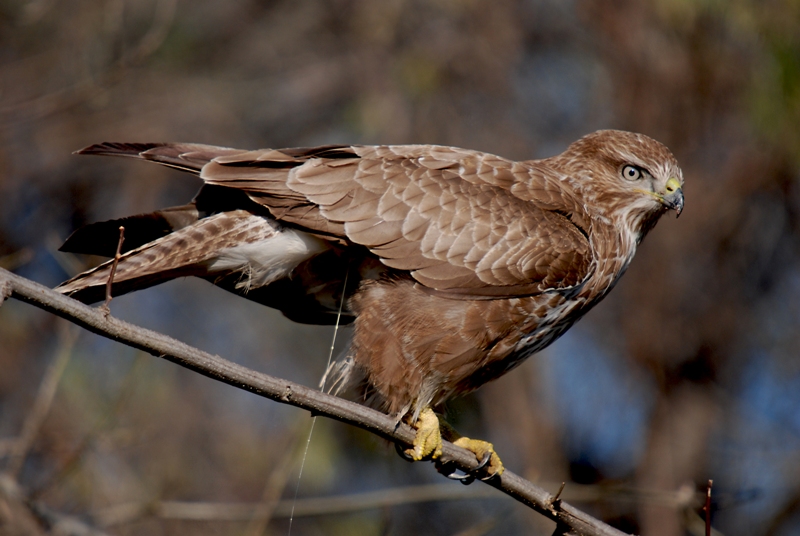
268	260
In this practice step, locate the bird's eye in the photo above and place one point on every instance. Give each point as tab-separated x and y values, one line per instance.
631	173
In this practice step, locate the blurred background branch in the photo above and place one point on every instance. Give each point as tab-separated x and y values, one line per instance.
93	84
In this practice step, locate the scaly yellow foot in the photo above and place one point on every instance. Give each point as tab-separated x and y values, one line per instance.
428	441
482	449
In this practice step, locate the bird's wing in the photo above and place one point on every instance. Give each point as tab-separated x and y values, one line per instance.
463	223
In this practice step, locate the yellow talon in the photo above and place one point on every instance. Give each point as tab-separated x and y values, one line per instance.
428	441
481	449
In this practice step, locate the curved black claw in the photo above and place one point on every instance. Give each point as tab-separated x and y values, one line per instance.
402	452
484	462
465	479
469	477
489	477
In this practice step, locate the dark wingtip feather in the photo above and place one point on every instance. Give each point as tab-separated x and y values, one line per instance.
101	238
118	149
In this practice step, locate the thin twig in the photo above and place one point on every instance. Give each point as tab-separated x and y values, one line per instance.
110	282
555	502
707	508
290	393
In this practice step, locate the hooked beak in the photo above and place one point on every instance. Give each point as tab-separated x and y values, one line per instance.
673	196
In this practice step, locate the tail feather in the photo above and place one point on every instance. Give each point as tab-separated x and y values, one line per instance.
188	251
101	238
189	157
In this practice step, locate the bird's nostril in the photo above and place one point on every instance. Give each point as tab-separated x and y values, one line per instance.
672	185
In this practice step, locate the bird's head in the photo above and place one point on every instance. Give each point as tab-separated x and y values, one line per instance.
628	178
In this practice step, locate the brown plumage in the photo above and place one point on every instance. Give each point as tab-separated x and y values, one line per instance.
461	263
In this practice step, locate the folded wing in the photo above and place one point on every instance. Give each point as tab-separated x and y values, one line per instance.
464	224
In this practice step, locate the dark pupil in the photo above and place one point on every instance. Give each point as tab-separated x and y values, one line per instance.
631	172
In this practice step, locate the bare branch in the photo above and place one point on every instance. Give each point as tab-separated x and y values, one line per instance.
290	393
23	516
209	511
129	512
44	399
90	86
275	484
72	460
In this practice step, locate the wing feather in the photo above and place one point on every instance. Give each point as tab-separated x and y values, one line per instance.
465	224
413	207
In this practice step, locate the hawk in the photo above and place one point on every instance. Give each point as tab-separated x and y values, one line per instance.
454	265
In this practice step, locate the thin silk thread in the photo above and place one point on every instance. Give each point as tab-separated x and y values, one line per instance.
322	388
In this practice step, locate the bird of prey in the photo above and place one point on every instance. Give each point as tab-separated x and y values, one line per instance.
454	265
